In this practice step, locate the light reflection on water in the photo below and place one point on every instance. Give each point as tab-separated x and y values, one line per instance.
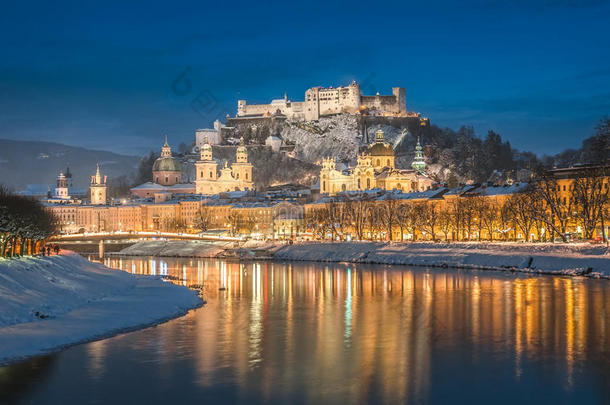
339	333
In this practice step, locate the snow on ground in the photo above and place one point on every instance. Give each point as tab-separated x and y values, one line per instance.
572	259
173	249
47	303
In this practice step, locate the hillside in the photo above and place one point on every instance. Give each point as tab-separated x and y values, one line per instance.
270	168
28	162
452	156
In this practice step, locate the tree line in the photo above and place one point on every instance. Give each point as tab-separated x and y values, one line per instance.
543	211
24	224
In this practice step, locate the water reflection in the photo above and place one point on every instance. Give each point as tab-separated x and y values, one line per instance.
282	332
378	328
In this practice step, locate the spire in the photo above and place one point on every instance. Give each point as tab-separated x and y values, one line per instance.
166	151
97	178
418	163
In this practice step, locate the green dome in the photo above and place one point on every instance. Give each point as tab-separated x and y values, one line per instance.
167	164
380	149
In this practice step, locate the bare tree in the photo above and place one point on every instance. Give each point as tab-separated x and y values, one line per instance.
445	221
554	211
590	196
487	214
519	207
356	212
406	219
203	220
426	217
388	210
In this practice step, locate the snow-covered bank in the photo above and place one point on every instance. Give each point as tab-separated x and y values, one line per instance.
174	248
47	303
572	259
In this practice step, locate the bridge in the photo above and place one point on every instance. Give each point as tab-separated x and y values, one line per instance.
119	239
135	236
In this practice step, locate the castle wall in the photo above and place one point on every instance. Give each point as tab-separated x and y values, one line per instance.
320	101
289	109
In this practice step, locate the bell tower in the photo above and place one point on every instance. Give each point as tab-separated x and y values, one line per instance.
418	164
98	188
207	170
62	190
241	170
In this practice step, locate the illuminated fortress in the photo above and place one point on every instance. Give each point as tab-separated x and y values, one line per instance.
321	101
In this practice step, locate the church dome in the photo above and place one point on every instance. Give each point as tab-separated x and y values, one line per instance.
380	149
167	164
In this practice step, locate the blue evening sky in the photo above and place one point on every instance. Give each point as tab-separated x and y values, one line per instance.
118	76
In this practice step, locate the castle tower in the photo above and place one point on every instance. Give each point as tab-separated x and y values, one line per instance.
98	188
401	99
418	163
241	170
61	191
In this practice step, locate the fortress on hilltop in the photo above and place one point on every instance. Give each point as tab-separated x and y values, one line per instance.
322	101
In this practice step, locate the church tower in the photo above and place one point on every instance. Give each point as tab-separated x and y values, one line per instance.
62	191
98	188
418	164
206	170
241	169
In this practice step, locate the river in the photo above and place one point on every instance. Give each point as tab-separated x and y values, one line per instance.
342	333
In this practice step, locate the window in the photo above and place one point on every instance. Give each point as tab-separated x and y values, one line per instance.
388	162
358	183
246	176
378	162
323	186
368	183
166	179
343	187
210	174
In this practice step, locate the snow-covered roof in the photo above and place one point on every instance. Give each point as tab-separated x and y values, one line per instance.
494	190
182	186
149	185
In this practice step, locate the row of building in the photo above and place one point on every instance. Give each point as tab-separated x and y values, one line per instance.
294	212
226	200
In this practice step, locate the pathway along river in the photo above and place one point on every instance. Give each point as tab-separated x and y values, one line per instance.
342	333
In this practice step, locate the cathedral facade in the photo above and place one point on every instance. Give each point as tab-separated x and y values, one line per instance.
375	169
236	177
